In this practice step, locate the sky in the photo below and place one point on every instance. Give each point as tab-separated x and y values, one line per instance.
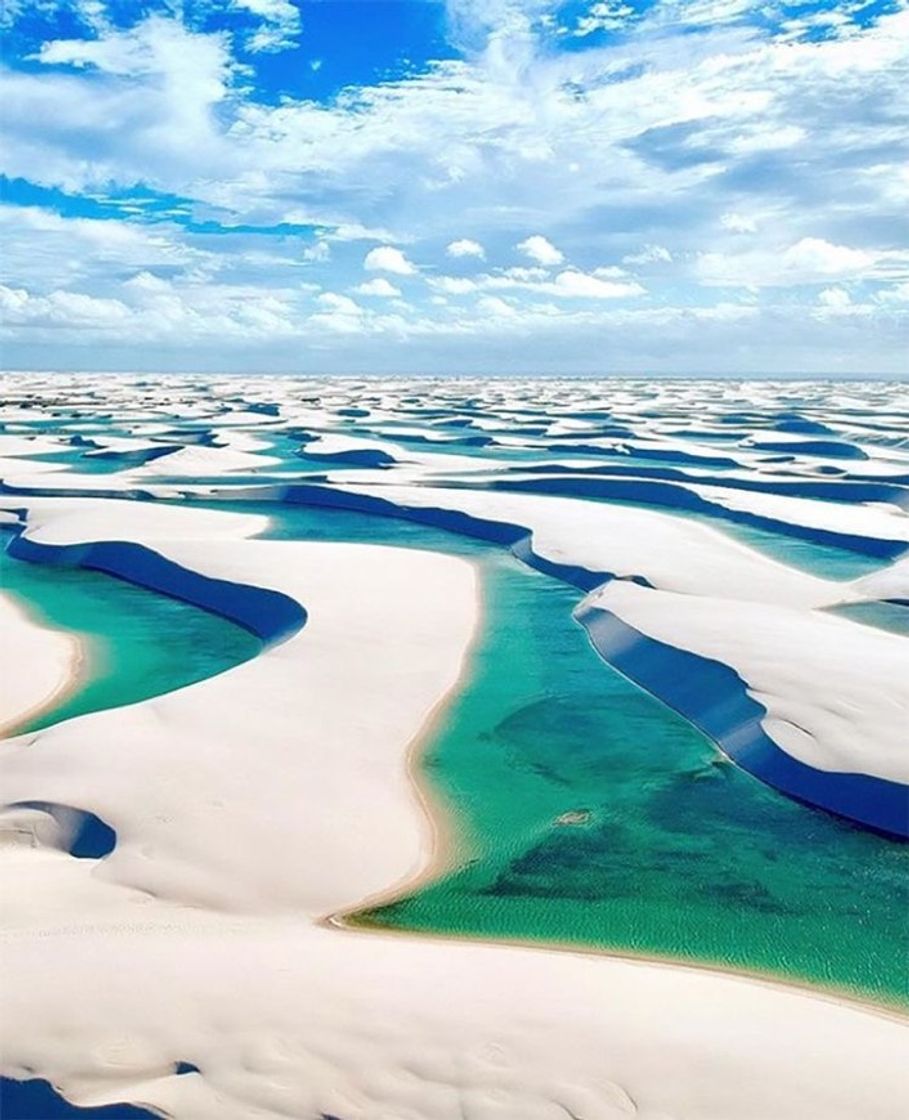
470	186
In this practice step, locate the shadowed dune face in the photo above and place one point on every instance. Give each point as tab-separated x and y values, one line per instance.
133	643
33	1098
80	834
576	791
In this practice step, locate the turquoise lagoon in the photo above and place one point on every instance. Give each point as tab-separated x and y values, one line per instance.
136	644
584	812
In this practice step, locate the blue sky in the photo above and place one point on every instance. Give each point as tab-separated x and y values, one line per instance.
642	186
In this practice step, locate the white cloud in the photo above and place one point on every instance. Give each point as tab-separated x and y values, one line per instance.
154	309
738	223
650	254
385	258
569	284
657	137
45	250
336	302
817	257
811	260
379	286
496	307
280	25
573	284
523	274
605	15
541	250
899	293
61	309
464	247
454	285
319	251
837	303
147	282
835	298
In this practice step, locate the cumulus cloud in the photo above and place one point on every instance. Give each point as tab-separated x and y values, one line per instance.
571	283
655	138
61	309
538	249
43	249
379	286
738	223
834	297
809	261
496	307
454	285
899	293
385	258
319	251
574	284
334	301
464	247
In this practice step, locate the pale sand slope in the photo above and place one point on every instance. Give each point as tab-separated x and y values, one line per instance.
877	520
891	582
14	445
37	664
251	803
22	471
836	693
673	553
197	462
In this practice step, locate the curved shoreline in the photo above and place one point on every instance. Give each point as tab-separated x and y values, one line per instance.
445	842
894	1012
167	577
490	997
448	846
270	615
866	800
732	720
69	681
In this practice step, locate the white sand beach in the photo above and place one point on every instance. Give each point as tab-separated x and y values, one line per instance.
38	665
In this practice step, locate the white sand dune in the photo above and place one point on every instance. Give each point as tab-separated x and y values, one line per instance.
891	582
879	521
38	664
254	803
670	552
193	462
836	694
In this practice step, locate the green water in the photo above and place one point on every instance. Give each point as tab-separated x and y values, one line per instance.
676	853
821	560
666	850
137	643
884	616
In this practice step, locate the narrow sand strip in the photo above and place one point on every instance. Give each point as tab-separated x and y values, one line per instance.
38	665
